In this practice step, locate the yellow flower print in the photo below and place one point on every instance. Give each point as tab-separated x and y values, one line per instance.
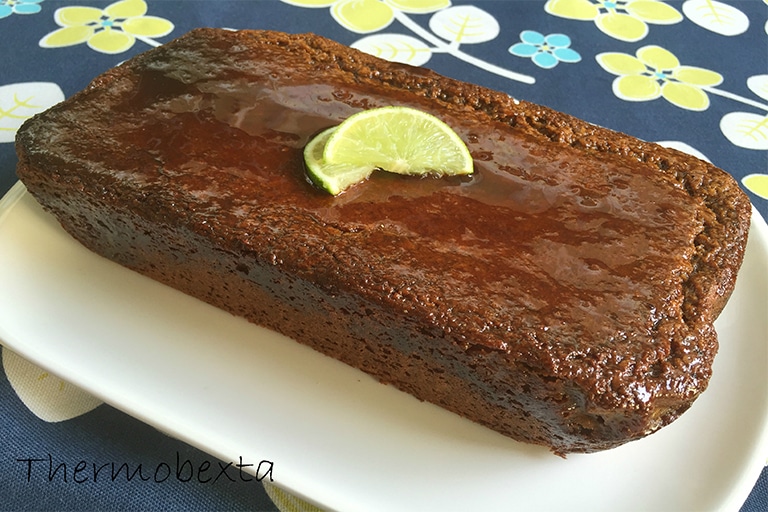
113	29
757	184
656	72
362	16
366	16
48	397
626	20
419	6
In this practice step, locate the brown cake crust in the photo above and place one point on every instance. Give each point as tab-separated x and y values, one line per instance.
564	295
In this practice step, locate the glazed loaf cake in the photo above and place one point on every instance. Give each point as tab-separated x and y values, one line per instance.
563	295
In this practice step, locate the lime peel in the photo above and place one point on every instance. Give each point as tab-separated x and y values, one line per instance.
399	140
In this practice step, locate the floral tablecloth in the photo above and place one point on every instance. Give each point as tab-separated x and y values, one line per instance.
690	74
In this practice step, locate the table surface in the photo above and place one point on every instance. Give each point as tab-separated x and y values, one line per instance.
690	74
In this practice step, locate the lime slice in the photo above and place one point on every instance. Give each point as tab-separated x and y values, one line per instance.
401	140
334	178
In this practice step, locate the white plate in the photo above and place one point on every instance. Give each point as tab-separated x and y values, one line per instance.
338	437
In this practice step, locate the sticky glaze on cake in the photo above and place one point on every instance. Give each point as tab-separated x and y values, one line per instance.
563	295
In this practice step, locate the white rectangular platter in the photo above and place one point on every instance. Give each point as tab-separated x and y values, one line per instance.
336	436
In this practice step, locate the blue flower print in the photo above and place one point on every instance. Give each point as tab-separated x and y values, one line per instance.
545	51
8	7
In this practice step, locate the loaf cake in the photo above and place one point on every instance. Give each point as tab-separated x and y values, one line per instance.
563	294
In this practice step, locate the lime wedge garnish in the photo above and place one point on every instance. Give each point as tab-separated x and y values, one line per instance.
334	178
401	140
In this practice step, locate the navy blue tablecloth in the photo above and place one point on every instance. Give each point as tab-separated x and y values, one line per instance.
690	74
